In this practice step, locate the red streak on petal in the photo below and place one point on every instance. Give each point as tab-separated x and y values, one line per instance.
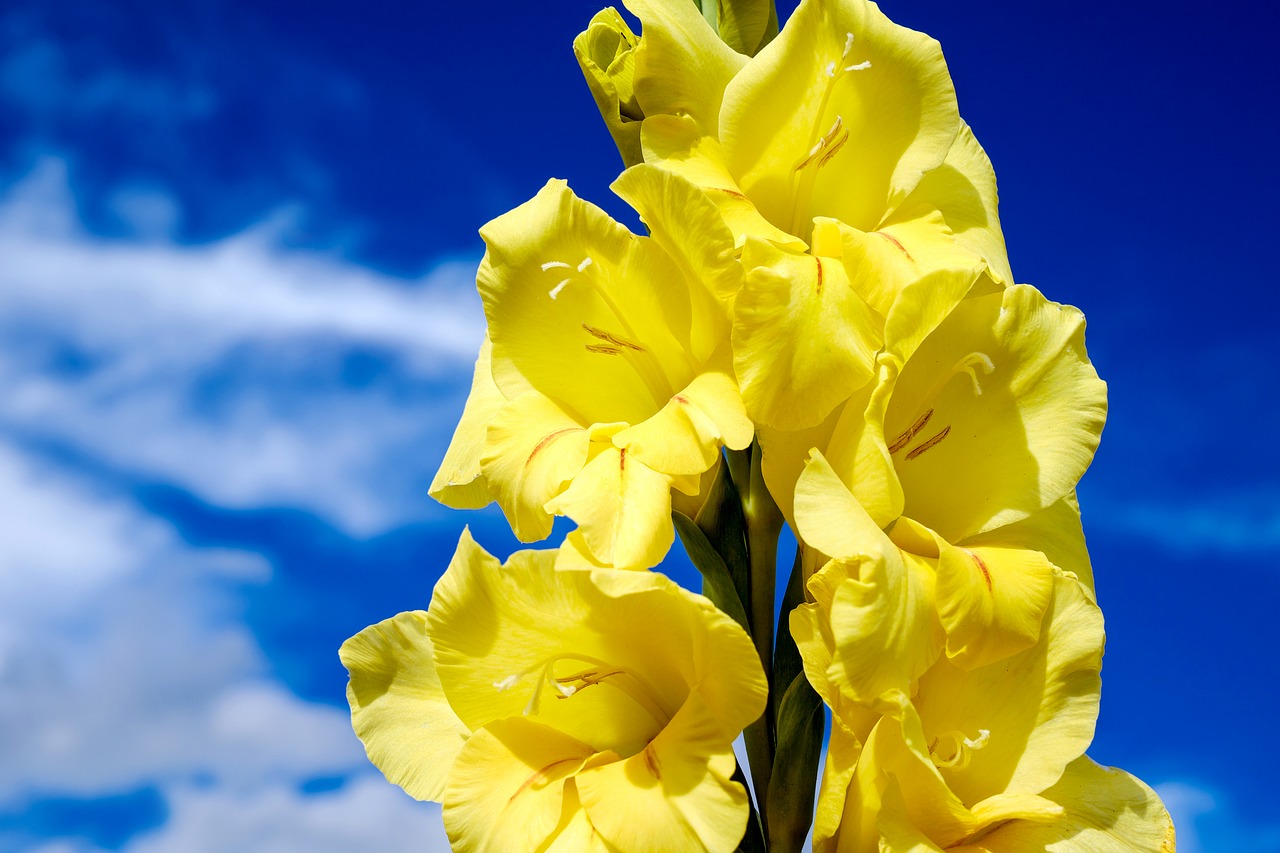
651	761
547	440
539	776
895	242
982	567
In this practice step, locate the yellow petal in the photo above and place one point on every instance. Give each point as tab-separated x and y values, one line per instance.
804	340
606	54
963	189
897	833
809	131
583	311
915	245
904	749
992	601
685	436
881	611
858	451
622	507
1107	811
682	66
506	791
843	751
1045	712
686	222
576	834
675	794
533	448
458	483
606	657
828	516
678	145
1055	530
784	455
398	708
996	415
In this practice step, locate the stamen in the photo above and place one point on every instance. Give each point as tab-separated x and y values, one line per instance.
835	148
611	338
630	684
831	69
902	440
825	142
848	44
930	443
549	265
586	262
603	349
861	66
555	291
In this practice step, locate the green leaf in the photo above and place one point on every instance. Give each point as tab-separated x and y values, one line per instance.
717	583
801	719
753	838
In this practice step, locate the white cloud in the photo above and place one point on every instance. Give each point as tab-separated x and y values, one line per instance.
1235	522
246	374
365	814
1207	819
119	669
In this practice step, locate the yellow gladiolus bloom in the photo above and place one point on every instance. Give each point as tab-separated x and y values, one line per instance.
608	379
967	453
838	157
561	710
992	758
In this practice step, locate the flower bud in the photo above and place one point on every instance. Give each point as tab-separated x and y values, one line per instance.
606	53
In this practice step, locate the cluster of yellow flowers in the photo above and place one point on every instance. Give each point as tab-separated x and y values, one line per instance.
821	328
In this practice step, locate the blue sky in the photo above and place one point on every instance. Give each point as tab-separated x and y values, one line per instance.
237	320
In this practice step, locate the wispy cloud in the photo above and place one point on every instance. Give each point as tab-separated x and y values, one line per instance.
1207	819
1239	522
250	375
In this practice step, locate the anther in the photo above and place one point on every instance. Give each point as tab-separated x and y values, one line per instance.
586	262
902	440
601	334
933	442
555	291
555	265
822	144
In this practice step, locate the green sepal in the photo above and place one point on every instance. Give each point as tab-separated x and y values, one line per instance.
744	25
801	720
722	522
717	583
